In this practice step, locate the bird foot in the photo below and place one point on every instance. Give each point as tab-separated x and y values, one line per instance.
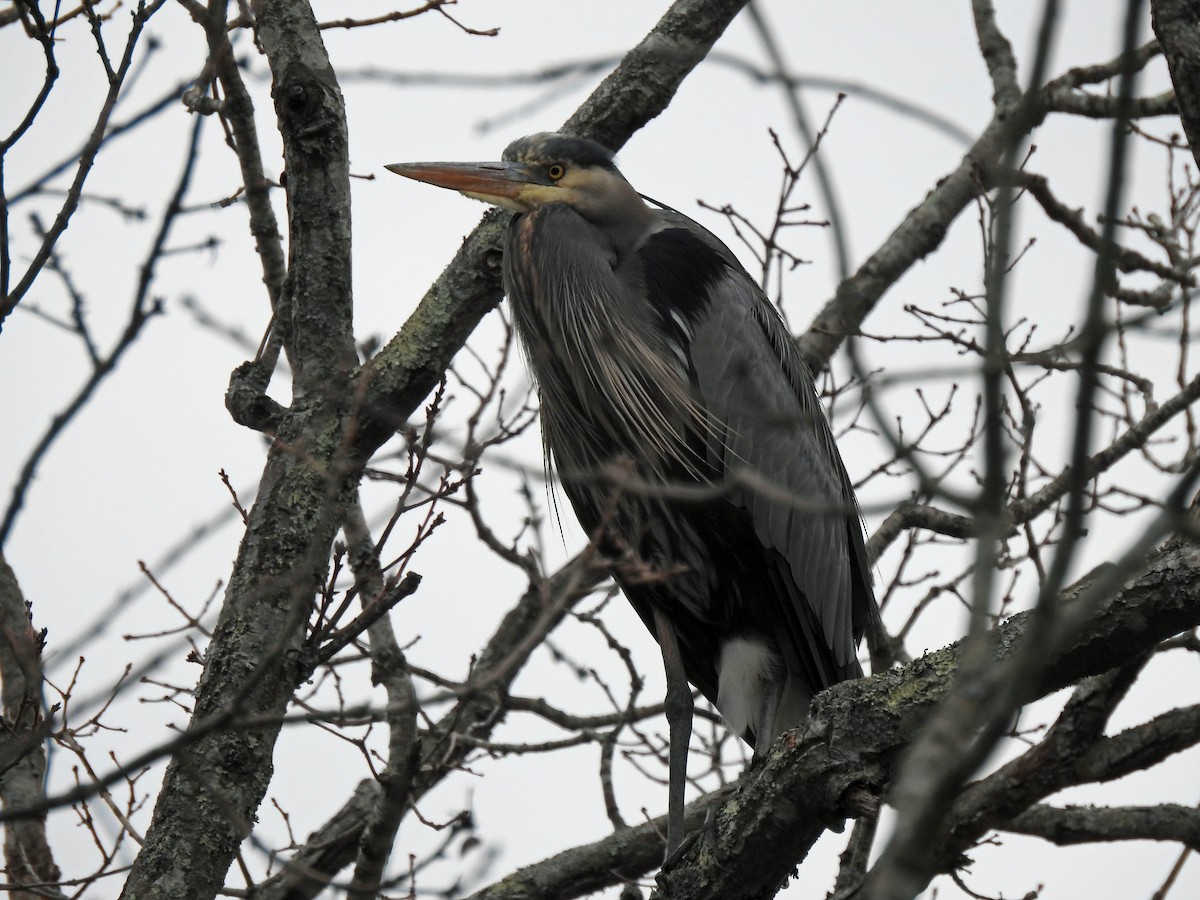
708	827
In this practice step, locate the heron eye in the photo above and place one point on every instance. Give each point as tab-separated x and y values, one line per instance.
556	172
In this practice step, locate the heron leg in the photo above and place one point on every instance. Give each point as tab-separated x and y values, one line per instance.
679	720
764	731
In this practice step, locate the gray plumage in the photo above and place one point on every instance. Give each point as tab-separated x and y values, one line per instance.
735	524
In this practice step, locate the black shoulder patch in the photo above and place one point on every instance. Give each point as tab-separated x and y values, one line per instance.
679	268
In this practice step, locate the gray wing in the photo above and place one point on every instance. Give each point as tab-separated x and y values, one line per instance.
775	446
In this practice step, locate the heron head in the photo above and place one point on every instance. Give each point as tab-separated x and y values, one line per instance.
539	170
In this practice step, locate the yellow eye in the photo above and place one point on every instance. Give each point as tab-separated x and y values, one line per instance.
555	172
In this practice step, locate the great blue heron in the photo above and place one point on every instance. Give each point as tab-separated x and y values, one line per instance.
734	531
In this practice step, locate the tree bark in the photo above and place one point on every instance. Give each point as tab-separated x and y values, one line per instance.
214	785
28	859
255	660
857	732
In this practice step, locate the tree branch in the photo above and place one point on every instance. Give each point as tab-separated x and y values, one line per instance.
401	375
27	855
86	159
857	732
215	784
1098	824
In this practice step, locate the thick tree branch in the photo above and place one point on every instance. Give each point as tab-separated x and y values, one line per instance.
857	732
998	54
925	226
214	786
28	859
622	857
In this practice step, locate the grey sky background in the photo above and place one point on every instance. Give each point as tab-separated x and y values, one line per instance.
138	470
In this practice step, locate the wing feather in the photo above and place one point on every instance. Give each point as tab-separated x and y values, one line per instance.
780	453
702	386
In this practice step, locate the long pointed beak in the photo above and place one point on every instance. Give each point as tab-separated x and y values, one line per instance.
494	182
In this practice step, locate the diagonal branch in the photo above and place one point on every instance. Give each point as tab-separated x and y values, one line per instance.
403	373
926	225
857	732
86	159
141	311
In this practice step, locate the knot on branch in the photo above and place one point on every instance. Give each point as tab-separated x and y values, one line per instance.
310	109
197	101
248	403
296	99
493	259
